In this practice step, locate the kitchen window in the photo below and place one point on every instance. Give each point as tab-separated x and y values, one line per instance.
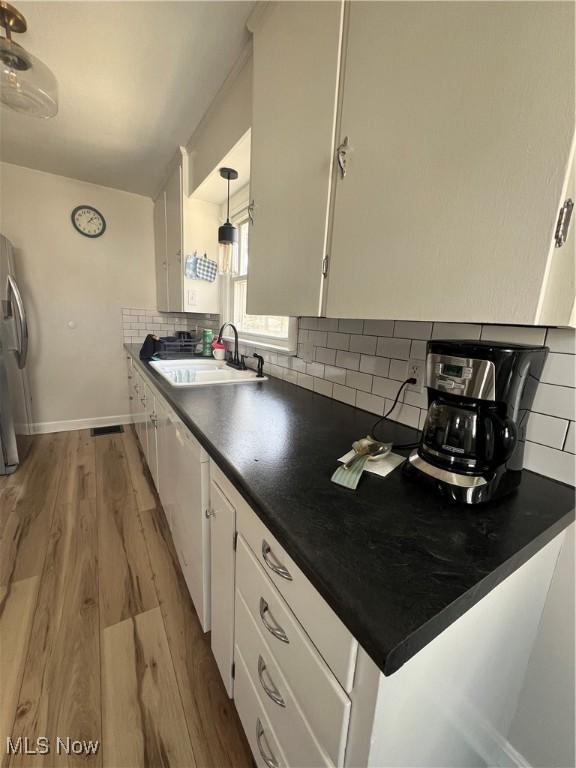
276	332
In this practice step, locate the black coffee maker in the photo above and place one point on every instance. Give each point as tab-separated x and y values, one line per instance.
479	397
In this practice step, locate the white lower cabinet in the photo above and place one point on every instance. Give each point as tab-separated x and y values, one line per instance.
262	739
222	560
190	524
150	427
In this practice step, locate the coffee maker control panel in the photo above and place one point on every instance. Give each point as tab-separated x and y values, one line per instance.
464	376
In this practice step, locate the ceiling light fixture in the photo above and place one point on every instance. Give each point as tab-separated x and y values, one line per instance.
227	232
27	85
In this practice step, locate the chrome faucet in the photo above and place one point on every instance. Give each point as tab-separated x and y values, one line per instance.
235	361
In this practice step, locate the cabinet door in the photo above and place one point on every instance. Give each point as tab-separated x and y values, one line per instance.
150	427
160	252
460	119
166	440
174	240
223	528
295	76
190	522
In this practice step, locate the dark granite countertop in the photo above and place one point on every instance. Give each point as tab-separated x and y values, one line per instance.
394	561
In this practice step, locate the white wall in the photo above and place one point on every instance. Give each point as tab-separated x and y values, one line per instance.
543	728
223	125
77	373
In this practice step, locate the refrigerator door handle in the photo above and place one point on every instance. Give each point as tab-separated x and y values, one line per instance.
23	351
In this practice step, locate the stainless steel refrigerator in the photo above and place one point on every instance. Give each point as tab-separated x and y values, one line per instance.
15	402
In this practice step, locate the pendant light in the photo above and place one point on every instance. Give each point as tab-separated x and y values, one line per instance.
227	232
26	85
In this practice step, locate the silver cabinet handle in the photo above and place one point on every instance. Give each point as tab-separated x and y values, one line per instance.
12	288
251	212
273	563
268	755
209	513
341	156
269	688
272	626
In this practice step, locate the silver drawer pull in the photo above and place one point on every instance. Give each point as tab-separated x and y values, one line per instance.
274	628
272	563
268	755
269	687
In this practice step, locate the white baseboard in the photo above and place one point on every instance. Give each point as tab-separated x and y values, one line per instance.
43	427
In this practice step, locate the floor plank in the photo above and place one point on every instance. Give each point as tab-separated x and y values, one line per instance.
79	477
144	723
215	730
126	585
139	475
60	693
15	623
27	506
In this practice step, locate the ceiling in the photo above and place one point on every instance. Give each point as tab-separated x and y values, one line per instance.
134	80
214	188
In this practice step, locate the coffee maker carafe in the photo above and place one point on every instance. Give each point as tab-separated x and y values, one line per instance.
479	397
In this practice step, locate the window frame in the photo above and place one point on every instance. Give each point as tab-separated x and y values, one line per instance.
289	345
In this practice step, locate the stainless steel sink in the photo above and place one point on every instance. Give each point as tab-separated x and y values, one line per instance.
200	373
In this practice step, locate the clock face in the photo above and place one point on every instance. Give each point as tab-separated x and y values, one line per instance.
88	221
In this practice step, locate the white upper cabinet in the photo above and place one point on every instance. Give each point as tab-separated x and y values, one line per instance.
460	123
174	240
295	81
160	252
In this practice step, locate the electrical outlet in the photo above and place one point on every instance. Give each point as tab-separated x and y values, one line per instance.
416	370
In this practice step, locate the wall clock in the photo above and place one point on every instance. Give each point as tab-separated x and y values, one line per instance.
88	221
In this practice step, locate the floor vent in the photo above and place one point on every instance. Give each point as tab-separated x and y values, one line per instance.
113	430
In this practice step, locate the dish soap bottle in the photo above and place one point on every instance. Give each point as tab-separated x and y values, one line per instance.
207	336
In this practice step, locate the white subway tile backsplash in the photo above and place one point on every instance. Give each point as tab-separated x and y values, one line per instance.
548	461
344	394
291	376
364	344
405	414
560	369
570	444
384	387
514	334
561	340
419	399
315	369
422	421
410	329
325	355
552	400
327	324
323	387
338	341
298	364
546	430
379	327
456	331
359	380
398	370
309	323
396	348
351	326
334	374
305	381
378	365
348	360
371	403
418	350
318	338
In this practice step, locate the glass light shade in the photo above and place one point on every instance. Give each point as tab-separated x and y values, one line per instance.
225	254
27	85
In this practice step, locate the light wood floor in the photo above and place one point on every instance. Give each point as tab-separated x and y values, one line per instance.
98	637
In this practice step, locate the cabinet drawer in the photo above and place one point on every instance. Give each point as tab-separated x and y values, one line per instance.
324	704
290	726
328	633
261	737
